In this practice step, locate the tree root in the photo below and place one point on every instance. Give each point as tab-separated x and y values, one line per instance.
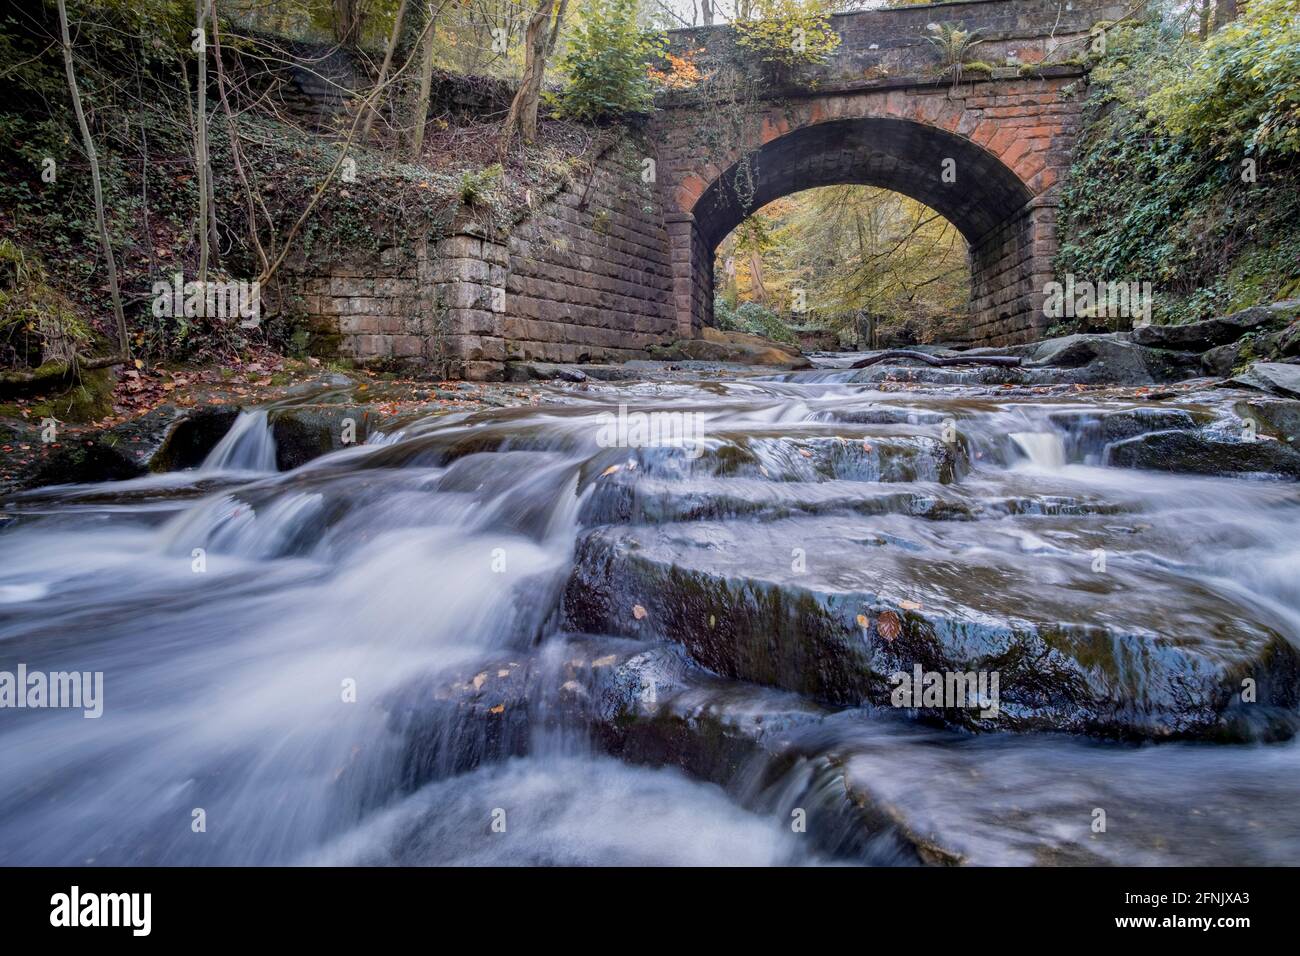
940	361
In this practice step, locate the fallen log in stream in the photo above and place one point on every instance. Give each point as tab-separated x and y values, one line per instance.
936	360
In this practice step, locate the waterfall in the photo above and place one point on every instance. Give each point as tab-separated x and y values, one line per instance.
1044	449
248	446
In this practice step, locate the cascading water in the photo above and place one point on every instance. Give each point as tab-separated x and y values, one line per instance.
248	446
366	660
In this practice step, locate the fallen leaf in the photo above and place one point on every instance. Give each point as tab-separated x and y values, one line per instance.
610	470
638	612
805	452
864	621
889	625
909	605
498	709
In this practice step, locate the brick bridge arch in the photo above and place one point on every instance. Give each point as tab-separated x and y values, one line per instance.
880	113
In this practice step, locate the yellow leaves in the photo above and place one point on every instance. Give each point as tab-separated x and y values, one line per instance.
909	605
638	612
610	470
498	709
864	622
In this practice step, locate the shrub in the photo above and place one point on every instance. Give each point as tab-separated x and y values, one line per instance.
788	34
1242	93
753	318
607	63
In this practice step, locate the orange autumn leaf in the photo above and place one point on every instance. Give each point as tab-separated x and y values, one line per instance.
638	612
889	625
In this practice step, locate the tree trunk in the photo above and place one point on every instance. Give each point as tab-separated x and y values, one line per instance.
426	84
538	46
383	69
236	151
1225	11
201	141
124	343
706	8
1204	15
348	21
756	285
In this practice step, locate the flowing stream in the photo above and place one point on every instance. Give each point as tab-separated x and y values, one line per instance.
277	648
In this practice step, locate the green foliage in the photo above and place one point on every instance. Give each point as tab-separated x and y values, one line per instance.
1242	93
1152	197
788	34
954	45
36	322
607	63
753	318
476	185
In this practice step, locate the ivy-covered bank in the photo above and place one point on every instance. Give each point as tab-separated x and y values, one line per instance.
1187	174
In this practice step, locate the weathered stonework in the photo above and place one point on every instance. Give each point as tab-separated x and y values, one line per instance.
880	113
621	261
587	277
589	274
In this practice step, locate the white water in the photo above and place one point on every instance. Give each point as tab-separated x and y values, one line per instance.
1045	449
386	568
248	446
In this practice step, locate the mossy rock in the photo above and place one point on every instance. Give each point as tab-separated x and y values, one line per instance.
86	400
87	462
190	439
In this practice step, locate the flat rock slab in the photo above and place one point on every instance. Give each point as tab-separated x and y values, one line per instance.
1280	378
834	610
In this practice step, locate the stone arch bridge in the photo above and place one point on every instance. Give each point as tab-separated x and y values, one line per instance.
882	112
613	266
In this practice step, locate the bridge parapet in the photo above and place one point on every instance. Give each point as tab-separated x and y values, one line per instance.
880	46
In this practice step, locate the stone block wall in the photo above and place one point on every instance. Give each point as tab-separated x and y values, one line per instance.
1009	269
586	277
589	275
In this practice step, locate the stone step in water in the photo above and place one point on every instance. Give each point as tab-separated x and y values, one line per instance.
837	611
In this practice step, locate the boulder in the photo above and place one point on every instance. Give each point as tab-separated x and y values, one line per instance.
740	348
1275	417
1222	359
1199	336
1280	378
1110	359
1205	453
192	436
305	432
550	371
